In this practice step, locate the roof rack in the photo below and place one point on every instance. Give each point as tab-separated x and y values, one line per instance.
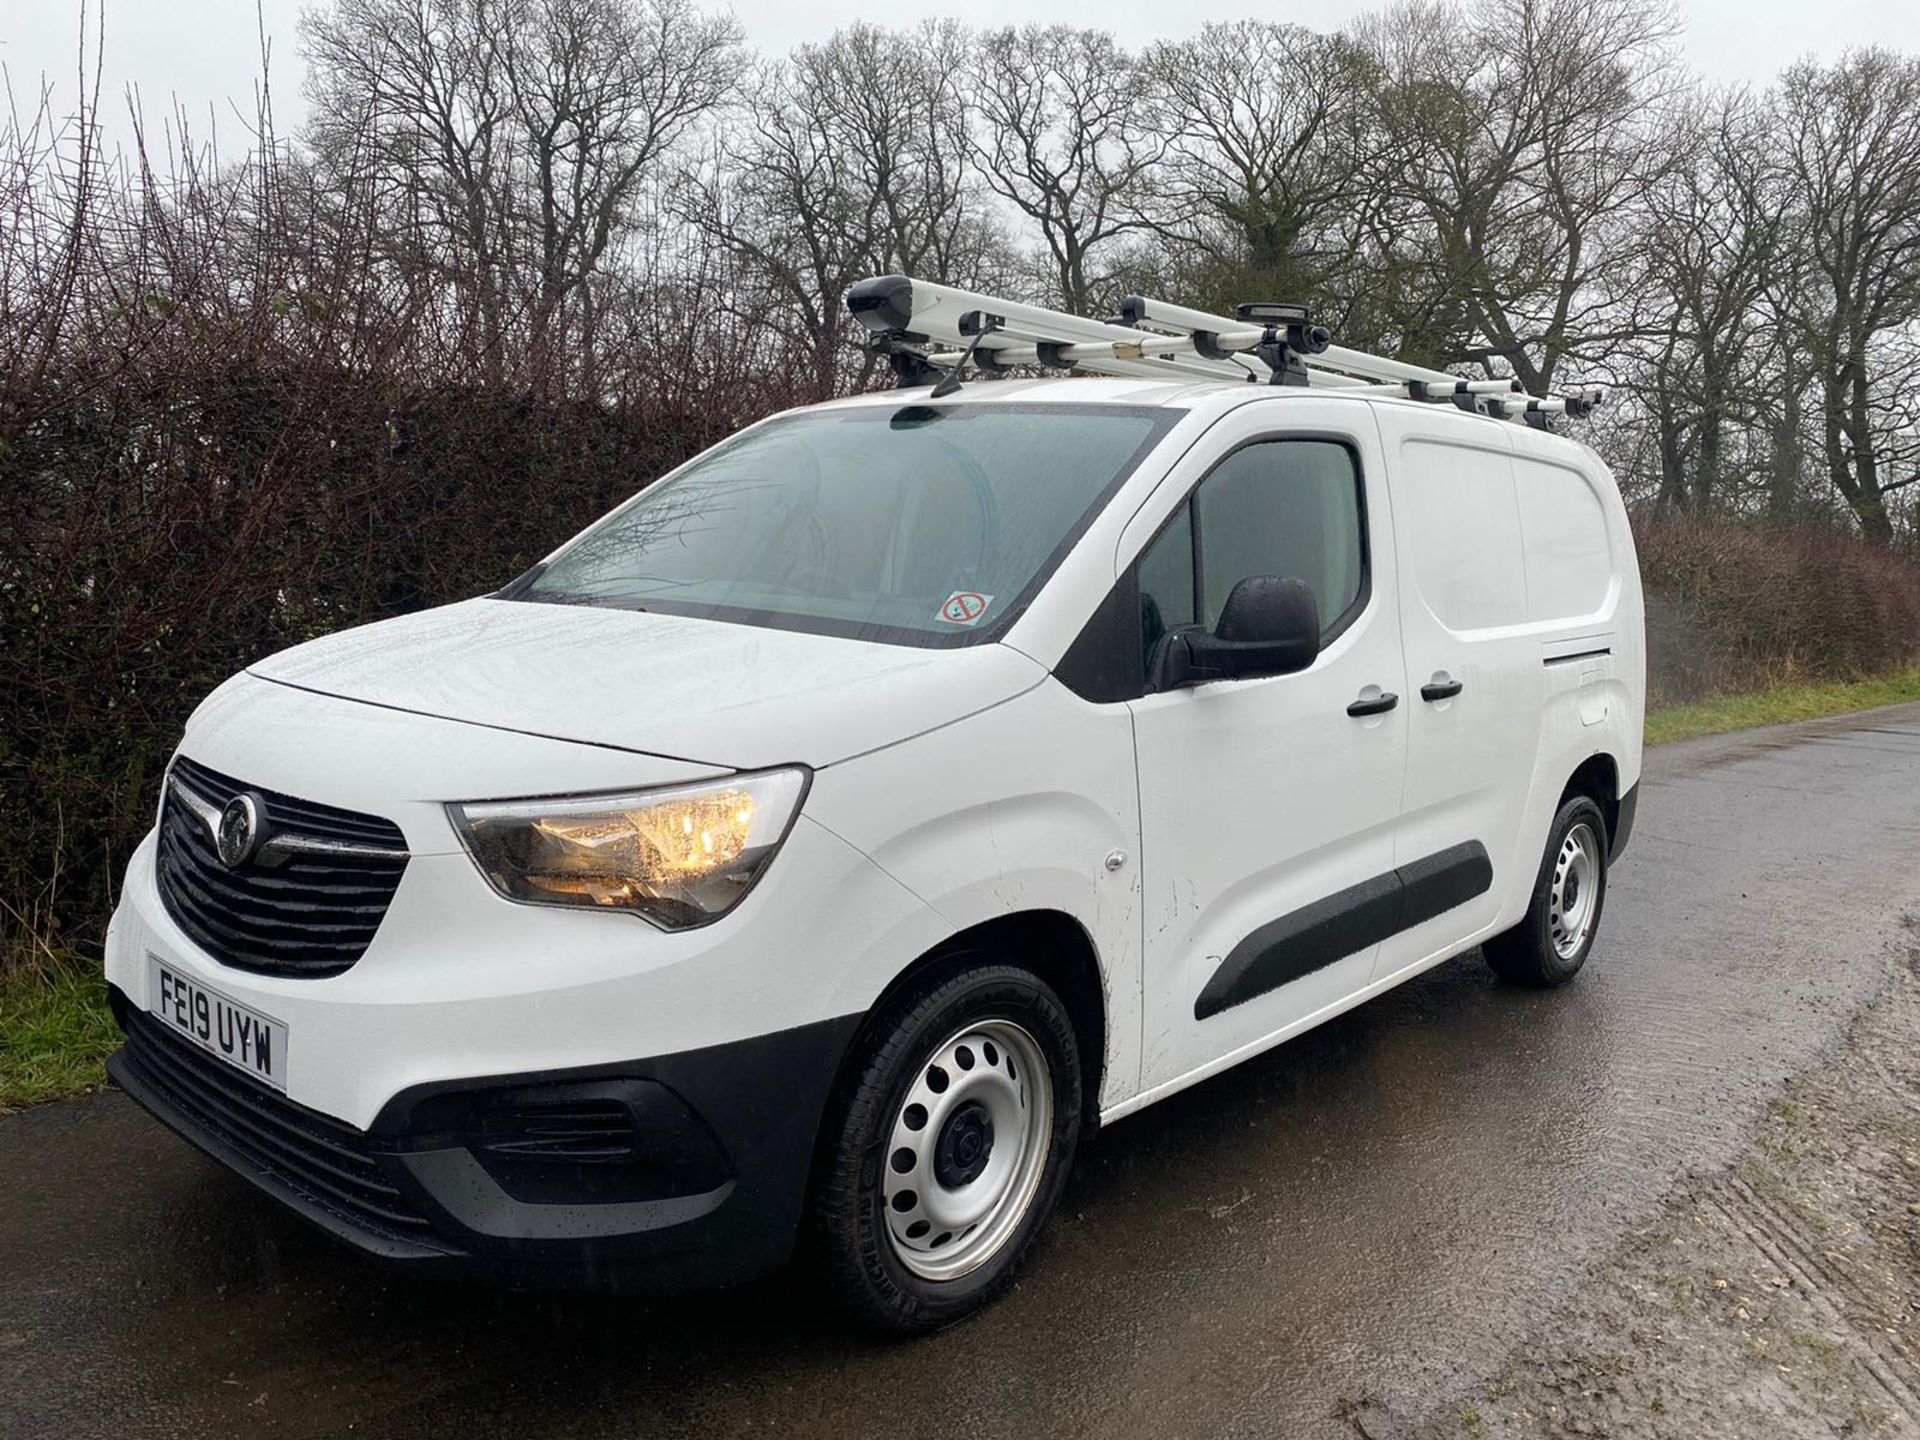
930	333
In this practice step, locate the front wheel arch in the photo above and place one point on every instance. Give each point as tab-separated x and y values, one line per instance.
870	1225
1054	946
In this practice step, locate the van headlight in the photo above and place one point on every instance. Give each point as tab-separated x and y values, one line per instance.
678	856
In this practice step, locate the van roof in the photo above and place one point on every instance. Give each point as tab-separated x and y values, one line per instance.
1188	395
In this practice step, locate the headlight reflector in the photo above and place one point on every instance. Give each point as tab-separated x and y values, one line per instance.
678	856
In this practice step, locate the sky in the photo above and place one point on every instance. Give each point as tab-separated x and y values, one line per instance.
205	54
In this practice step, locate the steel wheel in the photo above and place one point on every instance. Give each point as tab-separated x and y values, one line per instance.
1572	899
968	1147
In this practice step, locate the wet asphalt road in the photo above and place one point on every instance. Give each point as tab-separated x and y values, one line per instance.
1367	1219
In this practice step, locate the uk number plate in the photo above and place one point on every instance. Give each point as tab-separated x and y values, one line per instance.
243	1038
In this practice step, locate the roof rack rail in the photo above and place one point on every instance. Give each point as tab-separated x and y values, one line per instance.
930	333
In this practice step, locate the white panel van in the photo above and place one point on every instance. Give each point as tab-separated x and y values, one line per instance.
815	848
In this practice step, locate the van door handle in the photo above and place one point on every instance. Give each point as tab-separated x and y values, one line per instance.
1378	705
1440	692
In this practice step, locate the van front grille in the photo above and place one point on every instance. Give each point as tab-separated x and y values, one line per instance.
306	906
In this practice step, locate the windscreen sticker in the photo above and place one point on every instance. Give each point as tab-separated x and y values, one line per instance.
965	607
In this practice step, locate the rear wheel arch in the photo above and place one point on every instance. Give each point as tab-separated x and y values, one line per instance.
1598	778
1549	944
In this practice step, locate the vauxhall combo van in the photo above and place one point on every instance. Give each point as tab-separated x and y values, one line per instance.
810	853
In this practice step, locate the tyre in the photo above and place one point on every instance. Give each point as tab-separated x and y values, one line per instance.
948	1146
1551	942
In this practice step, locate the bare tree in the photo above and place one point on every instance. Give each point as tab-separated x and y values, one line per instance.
45	249
1710	234
602	89
1851	139
1520	135
1265	126
850	161
512	136
899	108
1062	136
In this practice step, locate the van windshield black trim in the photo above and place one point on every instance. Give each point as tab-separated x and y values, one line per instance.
918	524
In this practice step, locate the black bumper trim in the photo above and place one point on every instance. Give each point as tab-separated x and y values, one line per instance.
1623	823
461	1187
213	1126
416	1189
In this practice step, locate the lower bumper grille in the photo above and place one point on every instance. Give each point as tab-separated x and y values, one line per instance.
324	1162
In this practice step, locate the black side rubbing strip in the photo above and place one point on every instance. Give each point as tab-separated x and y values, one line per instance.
1311	938
1345	923
1581	655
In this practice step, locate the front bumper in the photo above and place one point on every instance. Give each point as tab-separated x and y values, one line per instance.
679	1171
401	1125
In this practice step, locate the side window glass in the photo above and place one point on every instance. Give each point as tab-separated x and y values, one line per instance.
1166	582
1283	507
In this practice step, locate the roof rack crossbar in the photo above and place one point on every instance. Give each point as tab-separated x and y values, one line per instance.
941	328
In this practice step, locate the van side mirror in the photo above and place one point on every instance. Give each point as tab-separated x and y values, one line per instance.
1270	626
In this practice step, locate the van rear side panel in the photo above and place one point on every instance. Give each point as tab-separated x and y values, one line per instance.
1584	595
1521	591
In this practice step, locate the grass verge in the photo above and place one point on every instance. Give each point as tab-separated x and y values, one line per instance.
55	1032
1779	705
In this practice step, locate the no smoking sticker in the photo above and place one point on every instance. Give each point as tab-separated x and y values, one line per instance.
965	607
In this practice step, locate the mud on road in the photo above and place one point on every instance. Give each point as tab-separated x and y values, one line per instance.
1453	1211
1779	1296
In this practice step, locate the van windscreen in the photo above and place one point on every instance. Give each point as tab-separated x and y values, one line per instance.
920	525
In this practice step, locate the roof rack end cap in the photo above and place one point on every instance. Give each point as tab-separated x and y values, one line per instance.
882	303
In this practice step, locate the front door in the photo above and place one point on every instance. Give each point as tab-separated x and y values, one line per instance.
1268	806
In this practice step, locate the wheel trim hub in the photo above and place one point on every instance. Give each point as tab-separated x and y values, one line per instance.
965	1146
1571	900
968	1147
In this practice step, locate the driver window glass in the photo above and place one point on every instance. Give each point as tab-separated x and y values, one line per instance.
1166	582
1287	508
